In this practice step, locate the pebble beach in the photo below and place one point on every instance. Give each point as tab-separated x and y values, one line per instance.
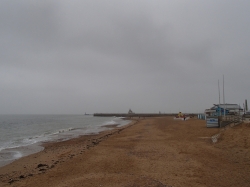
154	151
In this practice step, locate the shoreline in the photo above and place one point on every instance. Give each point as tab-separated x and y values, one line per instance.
19	152
160	152
36	163
23	151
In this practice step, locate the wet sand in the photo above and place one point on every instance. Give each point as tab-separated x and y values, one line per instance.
18	152
153	152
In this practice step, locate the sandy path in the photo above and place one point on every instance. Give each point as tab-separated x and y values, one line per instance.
154	152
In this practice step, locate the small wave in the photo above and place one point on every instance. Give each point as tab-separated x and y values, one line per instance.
117	120
23	142
64	130
112	122
33	140
9	147
17	154
11	144
10	155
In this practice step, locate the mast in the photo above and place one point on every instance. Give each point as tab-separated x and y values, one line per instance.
246	105
219	96
224	98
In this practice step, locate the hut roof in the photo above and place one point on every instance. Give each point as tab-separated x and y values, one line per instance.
227	106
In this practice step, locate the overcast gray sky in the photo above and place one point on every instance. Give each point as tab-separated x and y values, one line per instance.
72	57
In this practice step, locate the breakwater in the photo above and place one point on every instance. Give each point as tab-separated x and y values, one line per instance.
138	114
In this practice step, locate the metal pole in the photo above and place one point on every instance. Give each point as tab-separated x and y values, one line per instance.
224	98
219	96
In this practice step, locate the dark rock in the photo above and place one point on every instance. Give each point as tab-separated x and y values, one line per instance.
11	181
95	142
41	165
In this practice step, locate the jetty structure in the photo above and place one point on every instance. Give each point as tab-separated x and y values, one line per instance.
131	114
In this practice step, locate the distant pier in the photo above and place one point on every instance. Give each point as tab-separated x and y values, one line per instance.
138	114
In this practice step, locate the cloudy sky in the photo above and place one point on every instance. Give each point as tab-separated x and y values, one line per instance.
72	57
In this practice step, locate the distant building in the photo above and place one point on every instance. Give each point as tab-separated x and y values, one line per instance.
220	109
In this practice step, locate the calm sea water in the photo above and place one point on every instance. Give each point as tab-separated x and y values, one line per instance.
20	135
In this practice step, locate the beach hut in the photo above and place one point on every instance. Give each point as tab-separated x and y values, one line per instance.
213	114
224	109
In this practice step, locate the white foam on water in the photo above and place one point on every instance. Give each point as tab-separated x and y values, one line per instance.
17	154
27	130
112	122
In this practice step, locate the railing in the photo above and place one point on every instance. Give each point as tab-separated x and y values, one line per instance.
229	119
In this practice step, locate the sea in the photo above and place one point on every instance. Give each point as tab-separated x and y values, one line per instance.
21	135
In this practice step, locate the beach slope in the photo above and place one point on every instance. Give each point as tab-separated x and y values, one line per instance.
155	152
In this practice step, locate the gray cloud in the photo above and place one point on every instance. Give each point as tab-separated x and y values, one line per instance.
109	56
